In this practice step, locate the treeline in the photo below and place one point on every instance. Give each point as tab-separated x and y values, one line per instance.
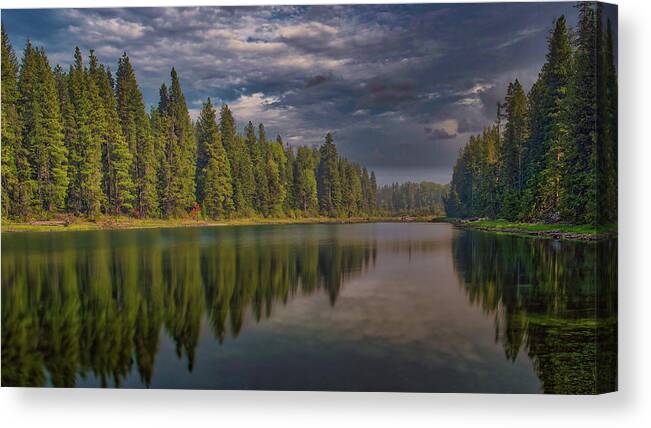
82	142
424	198
552	154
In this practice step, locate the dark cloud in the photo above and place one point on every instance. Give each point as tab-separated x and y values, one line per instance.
376	76
316	80
470	125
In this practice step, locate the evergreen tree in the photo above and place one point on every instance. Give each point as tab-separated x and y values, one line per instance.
579	201
373	202
288	177
42	135
606	144
116	157
511	173
214	182
558	156
183	161
328	179
608	168
275	170
240	162
257	152
352	189
136	130
16	180
86	194
553	123
305	186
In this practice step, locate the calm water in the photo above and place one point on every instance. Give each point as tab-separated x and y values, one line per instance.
373	307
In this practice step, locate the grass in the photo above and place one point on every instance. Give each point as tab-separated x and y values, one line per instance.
71	223
571	230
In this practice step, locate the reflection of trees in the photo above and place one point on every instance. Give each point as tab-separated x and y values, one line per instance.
558	301
93	304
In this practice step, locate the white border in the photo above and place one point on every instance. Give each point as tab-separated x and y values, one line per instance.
629	407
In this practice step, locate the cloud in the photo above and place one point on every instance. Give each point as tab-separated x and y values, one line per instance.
444	130
99	29
316	80
400	86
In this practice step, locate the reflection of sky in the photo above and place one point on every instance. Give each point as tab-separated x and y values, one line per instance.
402	87
404	324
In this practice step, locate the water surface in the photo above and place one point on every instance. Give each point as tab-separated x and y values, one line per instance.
362	307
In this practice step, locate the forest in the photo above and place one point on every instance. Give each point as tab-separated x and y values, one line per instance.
551	155
409	198
82	142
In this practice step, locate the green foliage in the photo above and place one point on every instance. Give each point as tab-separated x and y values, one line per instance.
42	132
239	158
305	186
329	180
179	151
557	154
215	191
425	198
81	142
116	157
137	132
16	181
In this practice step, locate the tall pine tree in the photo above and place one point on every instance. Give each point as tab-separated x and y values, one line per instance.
16	180
328	179
215	181
42	135
136	130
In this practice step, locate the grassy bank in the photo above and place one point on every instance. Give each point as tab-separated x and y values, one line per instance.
107	223
555	231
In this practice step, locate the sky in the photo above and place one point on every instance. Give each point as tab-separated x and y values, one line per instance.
401	87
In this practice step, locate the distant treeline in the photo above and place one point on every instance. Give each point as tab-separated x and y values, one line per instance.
82	142
552	154
425	198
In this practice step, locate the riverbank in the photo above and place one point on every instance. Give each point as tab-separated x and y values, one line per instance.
541	230
70	223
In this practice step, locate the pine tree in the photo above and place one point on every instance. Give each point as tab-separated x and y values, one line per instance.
511	156
606	144
42	136
609	171
16	182
116	158
162	135
328	180
352	189
69	128
136	130
579	201
288	177
275	169
240	162
86	187
555	77
183	167
257	153
305	186
215	177
373	201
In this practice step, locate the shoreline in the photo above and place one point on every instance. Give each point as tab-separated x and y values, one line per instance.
534	230
126	223
567	232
